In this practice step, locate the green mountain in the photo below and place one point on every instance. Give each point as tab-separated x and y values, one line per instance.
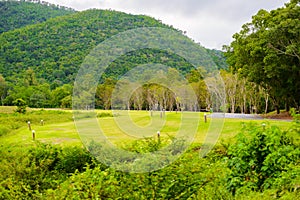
218	57
56	48
16	14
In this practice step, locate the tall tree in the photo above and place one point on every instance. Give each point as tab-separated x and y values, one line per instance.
3	88
104	94
267	52
29	77
59	94
231	85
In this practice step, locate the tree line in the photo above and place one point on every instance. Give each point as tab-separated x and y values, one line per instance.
242	96
267	52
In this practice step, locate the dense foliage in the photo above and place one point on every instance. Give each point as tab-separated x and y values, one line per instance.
267	52
263	163
55	49
39	63
27	172
219	58
263	159
17	14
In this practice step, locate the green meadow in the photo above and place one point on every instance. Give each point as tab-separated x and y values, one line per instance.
59	127
56	166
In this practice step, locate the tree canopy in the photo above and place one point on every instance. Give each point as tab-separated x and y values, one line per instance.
267	52
17	14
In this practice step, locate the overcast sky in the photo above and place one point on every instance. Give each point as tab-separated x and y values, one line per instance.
209	22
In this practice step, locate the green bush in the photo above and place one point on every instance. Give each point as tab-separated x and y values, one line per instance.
180	180
260	158
104	114
21	106
141	155
28	172
74	159
66	160
296	122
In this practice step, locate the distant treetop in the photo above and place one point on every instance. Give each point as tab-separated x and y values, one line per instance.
17	14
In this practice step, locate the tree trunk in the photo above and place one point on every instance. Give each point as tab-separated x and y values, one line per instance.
267	101
245	102
2	100
287	106
232	107
277	109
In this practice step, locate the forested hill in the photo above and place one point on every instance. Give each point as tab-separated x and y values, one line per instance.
55	49
16	14
218	57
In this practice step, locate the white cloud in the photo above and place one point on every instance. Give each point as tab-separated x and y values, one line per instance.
210	22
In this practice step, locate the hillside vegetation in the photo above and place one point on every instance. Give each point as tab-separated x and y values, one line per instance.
55	49
39	62
17	14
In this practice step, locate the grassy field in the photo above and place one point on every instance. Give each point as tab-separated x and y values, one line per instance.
59	127
41	170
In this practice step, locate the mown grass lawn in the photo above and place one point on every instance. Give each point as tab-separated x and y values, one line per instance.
60	129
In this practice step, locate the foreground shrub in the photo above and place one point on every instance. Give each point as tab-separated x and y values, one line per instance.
261	159
180	180
143	155
27	172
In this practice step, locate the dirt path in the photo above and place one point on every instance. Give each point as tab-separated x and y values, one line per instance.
245	116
